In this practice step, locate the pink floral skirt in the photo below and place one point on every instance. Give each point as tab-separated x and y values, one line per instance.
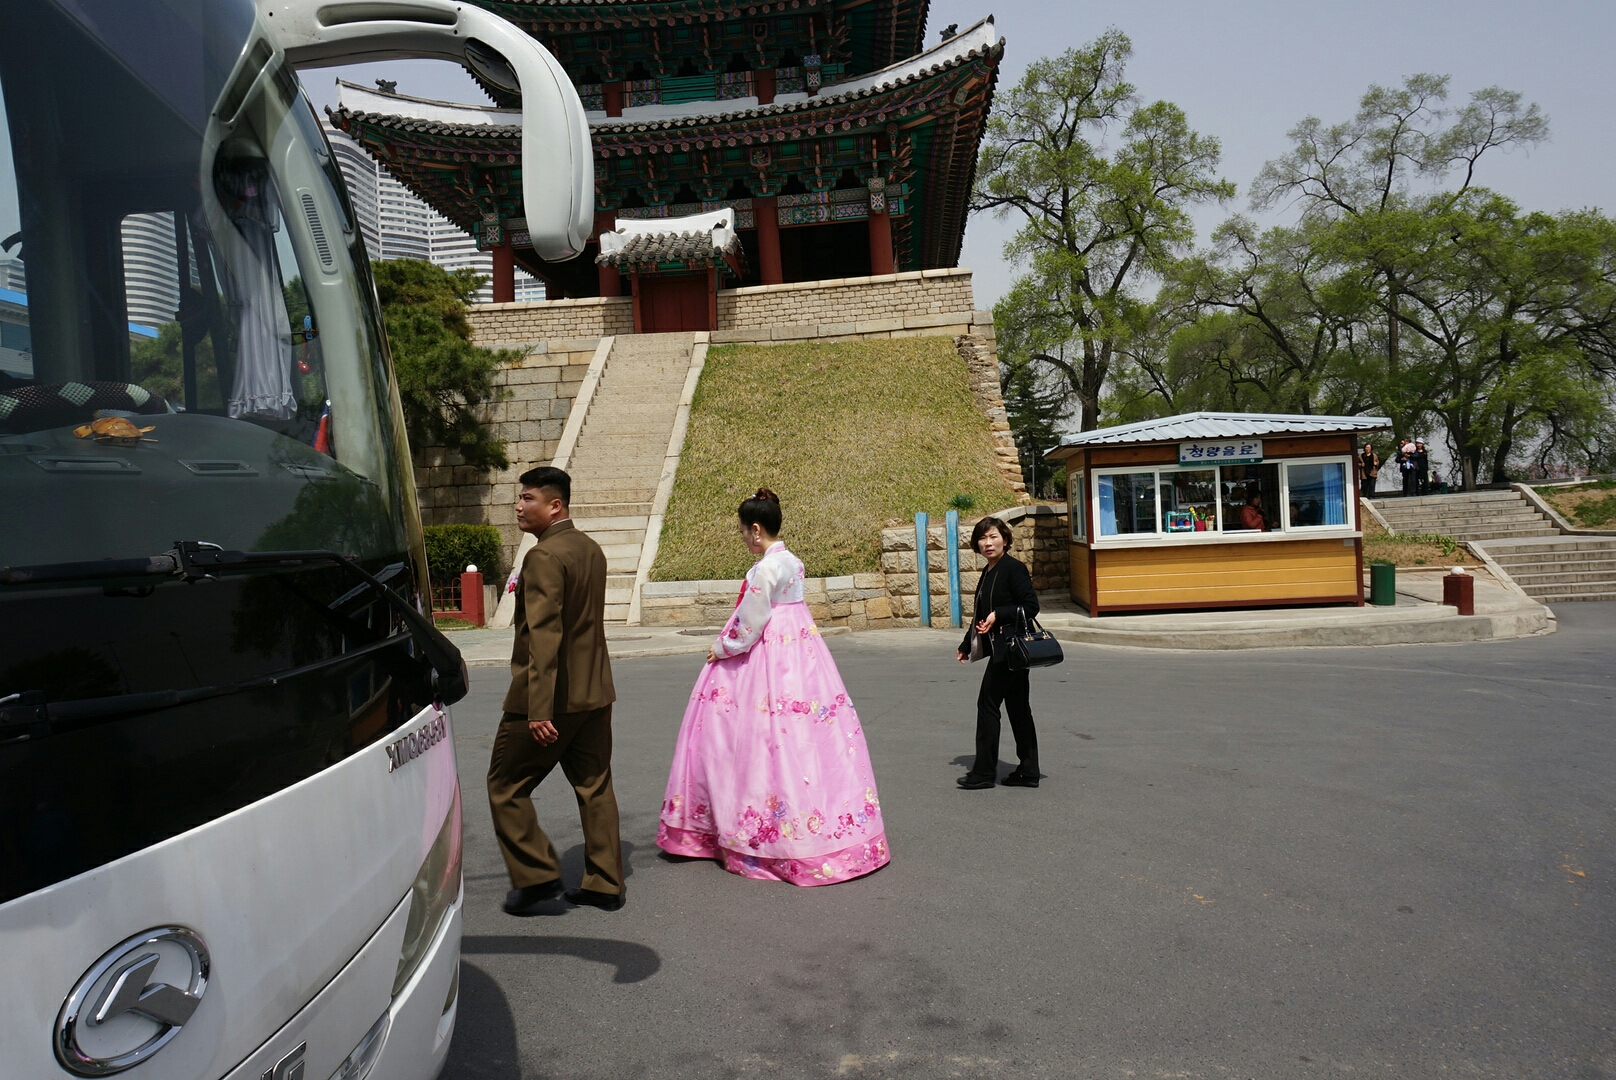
771	775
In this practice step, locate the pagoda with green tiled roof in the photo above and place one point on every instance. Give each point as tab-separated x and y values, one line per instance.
844	148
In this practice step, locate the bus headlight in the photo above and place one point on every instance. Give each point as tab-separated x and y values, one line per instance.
364	1055
436	886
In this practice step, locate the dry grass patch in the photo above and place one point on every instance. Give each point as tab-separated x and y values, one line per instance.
1590	506
849	434
1410	550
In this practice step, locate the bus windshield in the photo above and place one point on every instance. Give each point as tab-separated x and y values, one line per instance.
189	352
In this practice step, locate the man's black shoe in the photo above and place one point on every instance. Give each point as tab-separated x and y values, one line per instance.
1020	779
604	901
974	783
530	901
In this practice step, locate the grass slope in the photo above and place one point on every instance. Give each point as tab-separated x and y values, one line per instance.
848	434
1590	506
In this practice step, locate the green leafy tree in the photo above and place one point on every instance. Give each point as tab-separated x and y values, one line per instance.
445	381
1355	180
1099	219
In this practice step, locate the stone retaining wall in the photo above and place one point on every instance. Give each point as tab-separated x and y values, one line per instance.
858	602
542	388
933	302
848	306
891	597
1040	542
495	326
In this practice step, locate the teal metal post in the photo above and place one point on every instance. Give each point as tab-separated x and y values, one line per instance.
951	538
921	523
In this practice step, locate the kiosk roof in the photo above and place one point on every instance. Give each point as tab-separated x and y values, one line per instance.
1216	425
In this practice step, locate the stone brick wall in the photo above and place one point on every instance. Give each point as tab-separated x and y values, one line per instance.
542	388
980	351
933	302
858	602
848	306
1040	542
496	326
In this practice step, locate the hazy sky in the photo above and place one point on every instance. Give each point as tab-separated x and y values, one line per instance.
1247	71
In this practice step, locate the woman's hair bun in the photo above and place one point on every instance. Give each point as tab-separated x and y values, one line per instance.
766	494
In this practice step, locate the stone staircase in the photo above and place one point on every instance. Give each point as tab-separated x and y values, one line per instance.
1471	515
1561	568
618	461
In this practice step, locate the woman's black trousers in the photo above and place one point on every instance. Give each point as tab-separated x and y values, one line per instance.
1001	685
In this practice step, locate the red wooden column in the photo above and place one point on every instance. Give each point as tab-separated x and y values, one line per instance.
763	85
712	298
611	282
880	244
612	92
639	321
766	216
504	274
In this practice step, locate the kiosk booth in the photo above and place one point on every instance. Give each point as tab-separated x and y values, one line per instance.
1215	510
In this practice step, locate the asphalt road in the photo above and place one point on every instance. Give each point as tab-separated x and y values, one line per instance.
1386	862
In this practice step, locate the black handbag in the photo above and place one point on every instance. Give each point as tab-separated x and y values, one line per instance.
1031	646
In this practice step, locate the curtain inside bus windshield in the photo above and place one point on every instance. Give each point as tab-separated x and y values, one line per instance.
263	376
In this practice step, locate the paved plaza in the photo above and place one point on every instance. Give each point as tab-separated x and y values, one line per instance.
1390	862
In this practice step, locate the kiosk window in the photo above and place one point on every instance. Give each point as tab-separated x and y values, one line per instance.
1077	505
1318	494
1127	503
1189	501
1251	497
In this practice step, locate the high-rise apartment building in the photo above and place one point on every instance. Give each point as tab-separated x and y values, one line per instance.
398	225
150	269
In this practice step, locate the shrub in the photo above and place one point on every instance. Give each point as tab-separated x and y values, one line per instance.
962	502
450	548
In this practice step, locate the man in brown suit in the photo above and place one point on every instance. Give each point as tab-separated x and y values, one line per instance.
559	707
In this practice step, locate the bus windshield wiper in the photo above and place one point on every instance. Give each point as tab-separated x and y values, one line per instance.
28	715
197	560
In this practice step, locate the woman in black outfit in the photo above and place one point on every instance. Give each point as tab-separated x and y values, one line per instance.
1004	587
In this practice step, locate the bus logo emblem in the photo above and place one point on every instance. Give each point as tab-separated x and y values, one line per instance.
405	750
125	1008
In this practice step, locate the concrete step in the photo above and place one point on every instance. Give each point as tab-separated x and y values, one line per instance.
633	522
1604	575
614	509
1570	598
1571	589
1566	542
619	493
614	537
1448	500
621	595
1426	513
1411	521
1592	560
1477	532
617	613
602	472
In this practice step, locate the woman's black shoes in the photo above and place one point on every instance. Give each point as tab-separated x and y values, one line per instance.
974	783
1020	779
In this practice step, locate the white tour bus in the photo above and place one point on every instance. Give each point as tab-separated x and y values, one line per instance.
229	817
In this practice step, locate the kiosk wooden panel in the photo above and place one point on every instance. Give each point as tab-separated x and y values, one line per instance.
1227	575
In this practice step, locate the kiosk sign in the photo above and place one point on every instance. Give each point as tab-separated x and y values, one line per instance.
1220	451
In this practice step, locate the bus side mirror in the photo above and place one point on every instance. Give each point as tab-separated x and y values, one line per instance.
558	180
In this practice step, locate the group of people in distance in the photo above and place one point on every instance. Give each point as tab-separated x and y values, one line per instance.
771	775
1413	463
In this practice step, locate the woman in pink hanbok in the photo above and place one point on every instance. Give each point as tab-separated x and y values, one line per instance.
771	775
